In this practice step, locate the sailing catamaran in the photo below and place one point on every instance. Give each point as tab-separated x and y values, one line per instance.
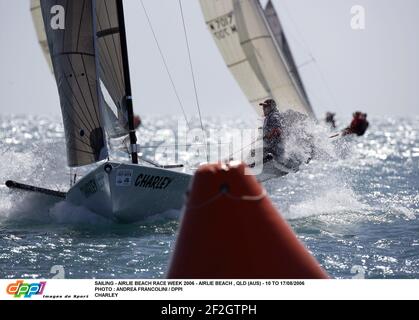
255	49
85	43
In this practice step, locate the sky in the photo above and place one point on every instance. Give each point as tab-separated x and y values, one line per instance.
375	70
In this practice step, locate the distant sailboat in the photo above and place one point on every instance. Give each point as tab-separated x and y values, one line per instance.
86	43
255	49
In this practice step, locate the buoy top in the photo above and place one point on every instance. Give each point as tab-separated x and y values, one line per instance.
224	179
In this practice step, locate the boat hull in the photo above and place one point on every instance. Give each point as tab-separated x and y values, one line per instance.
266	170
128	193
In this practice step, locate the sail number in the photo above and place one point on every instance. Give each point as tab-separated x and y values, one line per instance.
223	26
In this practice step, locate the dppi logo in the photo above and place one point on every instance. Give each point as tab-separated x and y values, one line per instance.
19	289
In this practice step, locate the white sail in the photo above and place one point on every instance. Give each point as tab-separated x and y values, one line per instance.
40	30
221	20
247	44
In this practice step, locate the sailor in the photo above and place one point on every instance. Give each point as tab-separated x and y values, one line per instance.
330	119
286	130
137	122
272	130
358	126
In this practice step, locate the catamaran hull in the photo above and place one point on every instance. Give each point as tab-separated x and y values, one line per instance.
128	193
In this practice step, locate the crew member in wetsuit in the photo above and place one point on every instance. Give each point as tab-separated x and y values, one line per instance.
358	126
272	130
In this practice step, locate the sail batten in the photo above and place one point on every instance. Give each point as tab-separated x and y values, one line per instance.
246	42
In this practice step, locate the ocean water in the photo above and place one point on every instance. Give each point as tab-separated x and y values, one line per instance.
356	206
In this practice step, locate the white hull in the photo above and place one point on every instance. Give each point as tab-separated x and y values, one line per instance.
128	193
268	170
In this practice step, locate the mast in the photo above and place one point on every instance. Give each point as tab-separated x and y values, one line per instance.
127	80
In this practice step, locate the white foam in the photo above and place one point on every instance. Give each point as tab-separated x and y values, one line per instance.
65	212
22	206
19	206
327	203
399	210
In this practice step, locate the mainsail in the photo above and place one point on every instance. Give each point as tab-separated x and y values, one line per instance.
243	35
90	40
69	29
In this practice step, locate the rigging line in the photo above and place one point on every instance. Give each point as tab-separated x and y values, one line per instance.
305	63
192	72
303	44
165	64
254	141
179	145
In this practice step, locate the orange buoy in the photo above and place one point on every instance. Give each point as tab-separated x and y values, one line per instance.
231	230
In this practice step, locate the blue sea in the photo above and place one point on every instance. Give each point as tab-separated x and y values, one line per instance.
355	207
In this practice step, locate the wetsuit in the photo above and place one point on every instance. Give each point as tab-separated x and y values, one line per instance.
272	131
